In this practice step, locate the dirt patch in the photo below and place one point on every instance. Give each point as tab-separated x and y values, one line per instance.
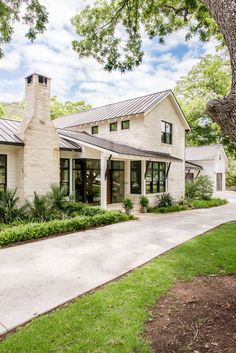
197	317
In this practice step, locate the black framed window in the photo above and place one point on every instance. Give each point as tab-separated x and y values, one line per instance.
135	177
166	132
95	130
113	126
3	172
155	177
125	125
65	174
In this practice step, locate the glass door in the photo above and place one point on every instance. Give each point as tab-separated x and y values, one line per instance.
117	181
78	180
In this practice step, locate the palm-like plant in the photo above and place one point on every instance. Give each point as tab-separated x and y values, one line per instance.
39	208
8	206
57	196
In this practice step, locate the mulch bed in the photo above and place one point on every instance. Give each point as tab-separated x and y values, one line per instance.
197	317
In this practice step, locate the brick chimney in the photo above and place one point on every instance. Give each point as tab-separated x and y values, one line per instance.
39	159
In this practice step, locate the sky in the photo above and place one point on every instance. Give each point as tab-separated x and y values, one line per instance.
77	79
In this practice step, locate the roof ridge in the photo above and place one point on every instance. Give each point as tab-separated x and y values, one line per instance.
211	145
107	105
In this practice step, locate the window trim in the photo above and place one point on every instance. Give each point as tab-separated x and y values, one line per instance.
65	168
122	124
139	192
158	170
164	134
113	124
4	168
92	130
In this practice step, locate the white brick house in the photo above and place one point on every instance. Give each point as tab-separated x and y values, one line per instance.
102	155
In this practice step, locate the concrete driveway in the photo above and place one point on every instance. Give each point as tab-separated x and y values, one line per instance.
37	277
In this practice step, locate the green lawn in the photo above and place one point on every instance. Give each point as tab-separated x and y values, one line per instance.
111	319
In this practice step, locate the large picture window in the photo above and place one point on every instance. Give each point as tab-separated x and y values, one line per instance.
135	177
65	174
3	172
166	132
155	177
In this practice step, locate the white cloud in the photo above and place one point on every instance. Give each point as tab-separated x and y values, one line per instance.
74	79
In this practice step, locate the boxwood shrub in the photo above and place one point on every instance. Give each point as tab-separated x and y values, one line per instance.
57	227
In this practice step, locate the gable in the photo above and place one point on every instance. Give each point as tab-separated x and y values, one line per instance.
173	101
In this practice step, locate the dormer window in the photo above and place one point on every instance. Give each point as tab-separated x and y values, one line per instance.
166	132
113	127
125	125
95	130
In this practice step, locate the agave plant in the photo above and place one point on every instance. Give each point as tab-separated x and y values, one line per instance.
39	208
8	206
57	196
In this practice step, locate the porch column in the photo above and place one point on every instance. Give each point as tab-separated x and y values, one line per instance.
103	181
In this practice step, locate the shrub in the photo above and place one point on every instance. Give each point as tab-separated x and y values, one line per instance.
190	189
167	209
199	188
40	230
8	206
39	209
207	203
204	187
165	200
144	201
57	196
128	204
79	208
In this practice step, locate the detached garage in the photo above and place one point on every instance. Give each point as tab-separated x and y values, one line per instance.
207	160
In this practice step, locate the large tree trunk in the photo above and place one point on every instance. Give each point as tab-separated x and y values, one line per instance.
223	111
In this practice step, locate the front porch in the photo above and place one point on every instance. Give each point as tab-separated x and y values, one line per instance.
107	181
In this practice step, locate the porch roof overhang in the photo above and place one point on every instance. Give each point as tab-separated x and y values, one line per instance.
192	166
110	147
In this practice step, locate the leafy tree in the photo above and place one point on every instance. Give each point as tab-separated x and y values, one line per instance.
207	80
30	12
2	112
59	109
110	31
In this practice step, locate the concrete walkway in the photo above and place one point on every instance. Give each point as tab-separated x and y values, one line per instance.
37	277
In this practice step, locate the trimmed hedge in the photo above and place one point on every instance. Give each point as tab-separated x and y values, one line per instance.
174	208
79	208
194	204
58	227
208	203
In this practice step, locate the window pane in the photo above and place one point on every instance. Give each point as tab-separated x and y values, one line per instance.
135	177
113	127
93	164
118	165
168	138
125	125
168	128
163	126
2	176
94	130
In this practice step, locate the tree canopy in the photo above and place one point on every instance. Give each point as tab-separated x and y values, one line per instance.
2	112
111	32
29	12
59	109
207	80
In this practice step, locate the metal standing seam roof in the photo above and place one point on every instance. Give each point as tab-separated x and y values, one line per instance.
127	107
112	146
8	136
194	166
202	153
70	140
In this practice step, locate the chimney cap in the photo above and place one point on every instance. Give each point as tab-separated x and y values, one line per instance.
36	74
